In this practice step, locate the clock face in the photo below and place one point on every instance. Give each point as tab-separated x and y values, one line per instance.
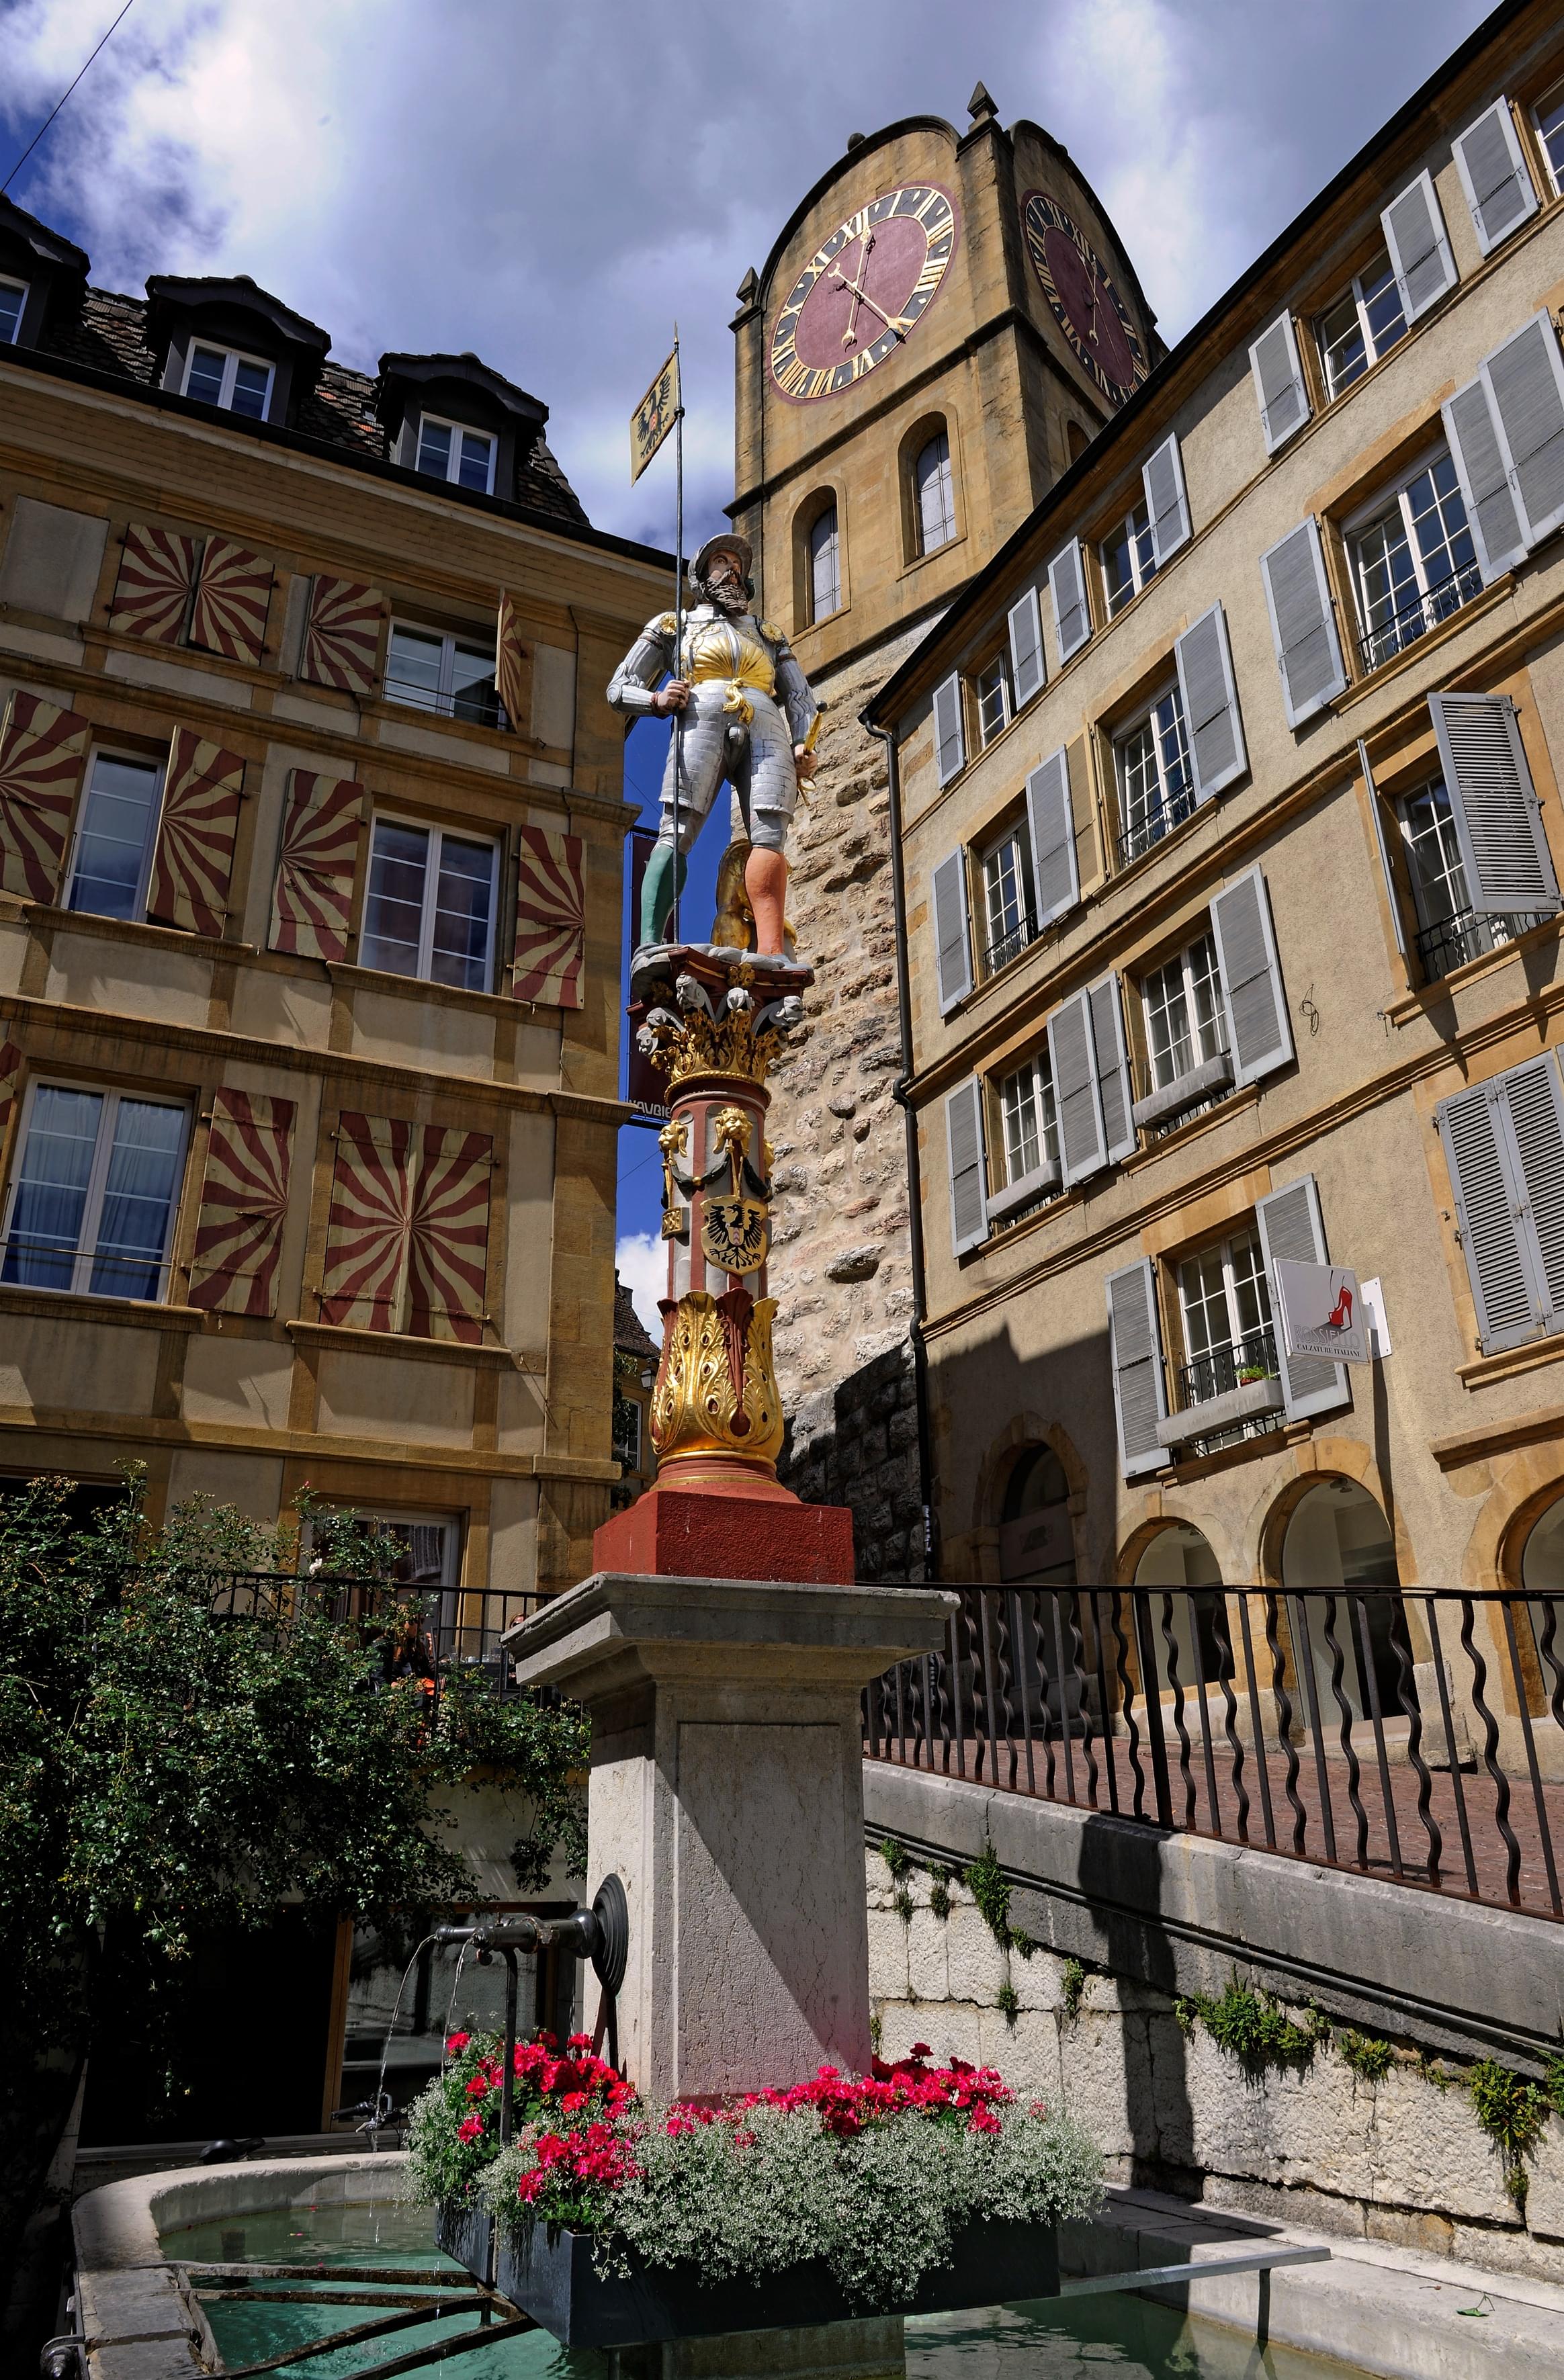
1089	309
862	297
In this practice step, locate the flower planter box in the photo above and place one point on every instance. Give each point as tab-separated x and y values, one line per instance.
467	2233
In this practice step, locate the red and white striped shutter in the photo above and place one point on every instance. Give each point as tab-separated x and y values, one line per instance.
233	594
509	654
11	1076
244	1204
313	899
151	595
43	754
551	920
341	634
195	841
369	1225
448	1257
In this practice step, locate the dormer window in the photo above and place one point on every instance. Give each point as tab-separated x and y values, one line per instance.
447	451
235	383
13	298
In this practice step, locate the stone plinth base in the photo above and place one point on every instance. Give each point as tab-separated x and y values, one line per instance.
750	1529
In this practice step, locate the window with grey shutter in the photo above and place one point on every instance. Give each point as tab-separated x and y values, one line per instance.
1504	1143
1166	504
950	735
1480	466
952	941
1290	1227
1378	822
1115	1095
1140	1396
1494	176
1067	584
1056	884
1210	704
969	1187
1419	253
1504	851
1259	1037
1082	1149
1525	383
1279	383
1308	651
1027	672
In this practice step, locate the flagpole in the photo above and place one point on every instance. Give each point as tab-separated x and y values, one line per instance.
678	606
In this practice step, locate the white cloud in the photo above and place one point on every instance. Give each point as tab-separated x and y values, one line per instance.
641	1261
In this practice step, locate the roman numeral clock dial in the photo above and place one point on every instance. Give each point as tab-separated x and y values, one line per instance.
1086	304
861	297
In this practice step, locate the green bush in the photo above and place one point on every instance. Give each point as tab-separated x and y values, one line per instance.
1253	2026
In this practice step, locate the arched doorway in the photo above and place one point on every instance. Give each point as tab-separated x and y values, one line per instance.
1036	1536
1541	1583
1183	1556
1338	1537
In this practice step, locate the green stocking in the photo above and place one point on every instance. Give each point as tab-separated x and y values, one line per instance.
657	893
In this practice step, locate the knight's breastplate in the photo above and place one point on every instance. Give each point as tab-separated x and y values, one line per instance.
729	652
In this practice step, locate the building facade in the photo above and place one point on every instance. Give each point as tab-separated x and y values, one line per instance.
1234	927
310	837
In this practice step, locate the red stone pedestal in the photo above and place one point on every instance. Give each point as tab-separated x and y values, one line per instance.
716	1527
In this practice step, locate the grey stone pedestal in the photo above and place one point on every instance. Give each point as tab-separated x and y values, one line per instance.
727	1794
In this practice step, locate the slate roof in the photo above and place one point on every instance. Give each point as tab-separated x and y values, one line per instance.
630	1333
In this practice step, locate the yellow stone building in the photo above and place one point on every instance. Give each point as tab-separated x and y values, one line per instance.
310	837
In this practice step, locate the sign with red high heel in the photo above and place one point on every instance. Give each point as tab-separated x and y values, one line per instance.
1322	1311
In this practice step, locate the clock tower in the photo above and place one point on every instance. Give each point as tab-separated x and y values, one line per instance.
942	327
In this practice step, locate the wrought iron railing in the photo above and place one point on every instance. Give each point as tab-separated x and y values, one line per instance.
459	1626
1224	1368
1409	1735
1008	946
1450	942
1138	839
1415	619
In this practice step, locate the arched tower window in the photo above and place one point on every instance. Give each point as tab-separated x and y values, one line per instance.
934	503
825	566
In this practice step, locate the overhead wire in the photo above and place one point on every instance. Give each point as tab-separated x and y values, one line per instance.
43	127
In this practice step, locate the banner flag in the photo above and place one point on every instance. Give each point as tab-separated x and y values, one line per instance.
654	416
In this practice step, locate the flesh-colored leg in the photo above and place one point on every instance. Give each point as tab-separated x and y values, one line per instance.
765	880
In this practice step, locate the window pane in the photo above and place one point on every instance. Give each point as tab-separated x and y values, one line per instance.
993	699
1118	569
205	381
1382	305
138	1199
1019	1107
434	448
1343	350
1251	1291
13	297
472	685
50	1197
111	845
1550	123
1438	880
1003	878
936	507
251	384
825	567
1386	574
1206	990
1172	746
463	902
1203	1288
1169	1044
412	668
473	470
1042	1067
393	905
1444	541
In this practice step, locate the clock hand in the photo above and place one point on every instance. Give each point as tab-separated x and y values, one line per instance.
898	326
850	334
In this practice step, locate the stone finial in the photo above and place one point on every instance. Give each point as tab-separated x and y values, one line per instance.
749	288
856	140
980	107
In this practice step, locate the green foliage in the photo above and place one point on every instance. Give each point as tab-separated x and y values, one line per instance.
940	1892
1512	2112
990	1887
1026	1946
1431	2070
1553	2081
1007	1999
901	1902
1368	2057
1071	1987
877	2031
896	1857
1253	2026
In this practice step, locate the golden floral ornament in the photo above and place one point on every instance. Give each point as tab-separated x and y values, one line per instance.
717	1386
736	1035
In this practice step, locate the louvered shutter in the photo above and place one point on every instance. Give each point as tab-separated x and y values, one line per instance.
1115	1093
1504	850
1072	613
1210	704
151	595
314	898
1083	1149
1472	431
1504	1143
1140	1396
952	946
969	1187
1279	383
202	788
244	1204
1419	253
1166	501
550	919
1494	176
1377	820
448	1234
1026	667
369	1224
233	593
1526	382
1308	652
43	754
1259	1037
1290	1229
510	655
341	634
950	735
11	1063
1056	883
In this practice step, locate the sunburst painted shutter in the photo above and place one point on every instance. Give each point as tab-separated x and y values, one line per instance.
341	634
1480	464
369	1224
950	732
1279	383
1494	176
1166	502
1083	1149
244	1204
152	595
1140	1396
11	1063
1419	253
1504	851
1290	1227
1210	702
1072	613
1525	383
448	1242
233	593
1056	882
1115	1094
551	920
510	653
202	789
1027	670
1308	651
969	1187
1504	1143
953	944
312	900
1260	1035
43	754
